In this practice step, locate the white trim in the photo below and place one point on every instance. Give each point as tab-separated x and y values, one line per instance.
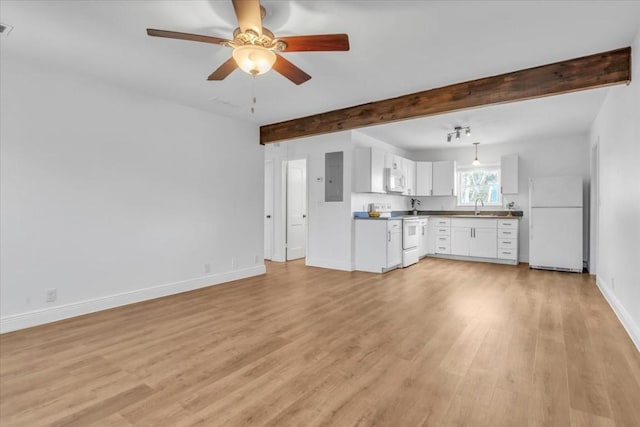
627	321
332	264
53	314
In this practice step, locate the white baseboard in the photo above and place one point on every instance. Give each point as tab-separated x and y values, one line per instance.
623	315
323	263
48	315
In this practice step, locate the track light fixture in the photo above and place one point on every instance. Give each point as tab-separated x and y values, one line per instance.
457	131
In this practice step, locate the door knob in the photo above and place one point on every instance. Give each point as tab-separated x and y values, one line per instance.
268	216
304	215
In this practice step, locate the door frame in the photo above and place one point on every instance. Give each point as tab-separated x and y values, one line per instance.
594	242
269	181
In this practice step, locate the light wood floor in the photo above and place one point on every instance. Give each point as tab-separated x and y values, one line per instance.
440	343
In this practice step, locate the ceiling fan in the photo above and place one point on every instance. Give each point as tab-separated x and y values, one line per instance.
256	50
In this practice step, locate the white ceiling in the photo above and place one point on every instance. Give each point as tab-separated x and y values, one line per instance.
397	47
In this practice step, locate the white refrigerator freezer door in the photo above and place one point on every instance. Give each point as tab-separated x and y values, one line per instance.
555	238
558	191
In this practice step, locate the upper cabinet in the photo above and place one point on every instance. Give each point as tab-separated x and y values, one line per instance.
410	177
509	174
413	178
424	179
369	176
444	178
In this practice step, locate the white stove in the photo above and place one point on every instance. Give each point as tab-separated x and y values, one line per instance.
410	240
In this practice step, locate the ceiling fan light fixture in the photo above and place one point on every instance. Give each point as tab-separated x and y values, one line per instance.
254	60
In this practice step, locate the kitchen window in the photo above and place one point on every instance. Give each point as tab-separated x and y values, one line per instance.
479	183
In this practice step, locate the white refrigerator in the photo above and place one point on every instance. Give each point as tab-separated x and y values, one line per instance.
555	223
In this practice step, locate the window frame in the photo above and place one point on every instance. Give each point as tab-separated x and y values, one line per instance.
466	168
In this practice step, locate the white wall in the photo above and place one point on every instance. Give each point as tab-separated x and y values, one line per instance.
566	155
616	130
330	224
113	197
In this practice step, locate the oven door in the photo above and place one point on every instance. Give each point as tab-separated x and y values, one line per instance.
410	233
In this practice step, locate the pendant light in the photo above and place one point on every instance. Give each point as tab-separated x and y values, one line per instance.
476	162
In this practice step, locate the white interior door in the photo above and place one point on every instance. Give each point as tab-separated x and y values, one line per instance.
268	209
296	209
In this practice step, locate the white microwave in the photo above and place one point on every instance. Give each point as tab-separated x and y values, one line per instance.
394	181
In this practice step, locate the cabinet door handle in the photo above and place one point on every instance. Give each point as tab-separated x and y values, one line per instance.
506	232
389	238
452	191
431	192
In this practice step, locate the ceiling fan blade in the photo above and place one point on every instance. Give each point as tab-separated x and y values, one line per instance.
290	71
185	36
224	70
320	42
249	15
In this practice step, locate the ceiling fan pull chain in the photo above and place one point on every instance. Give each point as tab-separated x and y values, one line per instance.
253	94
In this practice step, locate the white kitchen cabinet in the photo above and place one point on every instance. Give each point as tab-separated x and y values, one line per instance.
509	174
508	230
460	241
423	247
444	178
475	237
393	161
378	245
442	238
424	178
410	177
484	243
369	165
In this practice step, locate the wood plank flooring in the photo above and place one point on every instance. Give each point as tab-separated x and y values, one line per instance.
442	343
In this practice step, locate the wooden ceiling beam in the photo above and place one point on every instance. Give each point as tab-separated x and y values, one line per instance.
588	72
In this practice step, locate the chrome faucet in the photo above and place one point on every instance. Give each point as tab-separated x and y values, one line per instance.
475	208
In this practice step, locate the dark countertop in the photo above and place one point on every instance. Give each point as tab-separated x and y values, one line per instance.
460	213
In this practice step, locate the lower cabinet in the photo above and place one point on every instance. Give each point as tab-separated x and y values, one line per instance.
378	245
474	237
424	237
442	236
508	240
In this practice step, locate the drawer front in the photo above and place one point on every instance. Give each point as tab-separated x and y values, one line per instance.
443	249
474	222
508	254
443	231
504	233
508	243
443	240
508	223
443	221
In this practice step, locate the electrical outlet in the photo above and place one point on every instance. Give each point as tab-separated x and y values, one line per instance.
51	295
256	259
234	262
206	268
